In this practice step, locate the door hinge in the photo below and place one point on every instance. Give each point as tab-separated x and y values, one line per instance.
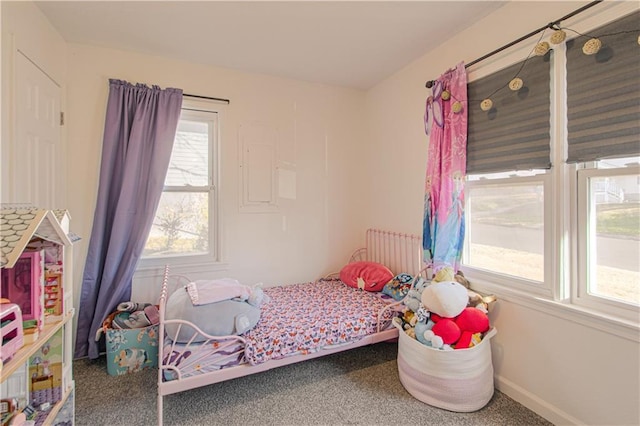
61	118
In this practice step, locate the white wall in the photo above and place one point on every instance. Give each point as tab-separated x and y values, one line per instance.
566	370
319	128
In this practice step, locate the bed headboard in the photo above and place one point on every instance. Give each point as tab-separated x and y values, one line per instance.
399	252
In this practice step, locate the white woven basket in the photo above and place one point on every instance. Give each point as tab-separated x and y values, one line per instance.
460	380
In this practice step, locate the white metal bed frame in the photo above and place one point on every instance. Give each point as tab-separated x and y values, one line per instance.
399	252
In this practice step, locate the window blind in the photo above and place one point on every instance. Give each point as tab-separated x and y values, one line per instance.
603	94
515	133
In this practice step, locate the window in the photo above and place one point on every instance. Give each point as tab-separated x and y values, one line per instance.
508	179
569	232
185	228
609	235
506	224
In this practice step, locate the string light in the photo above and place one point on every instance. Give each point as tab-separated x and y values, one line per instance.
592	46
516	84
486	104
559	35
541	48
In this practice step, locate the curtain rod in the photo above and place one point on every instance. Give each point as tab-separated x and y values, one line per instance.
551	25
206	97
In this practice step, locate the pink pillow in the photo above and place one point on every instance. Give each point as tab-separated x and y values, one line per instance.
369	276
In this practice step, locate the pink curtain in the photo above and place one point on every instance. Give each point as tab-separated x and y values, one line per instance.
443	224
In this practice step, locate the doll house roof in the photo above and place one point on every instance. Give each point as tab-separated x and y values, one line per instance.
20	224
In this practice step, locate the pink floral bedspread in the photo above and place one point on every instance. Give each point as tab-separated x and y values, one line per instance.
303	318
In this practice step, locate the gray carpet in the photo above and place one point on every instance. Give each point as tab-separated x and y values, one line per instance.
356	387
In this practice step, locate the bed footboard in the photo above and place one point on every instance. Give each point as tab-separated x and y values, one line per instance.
184	365
201	352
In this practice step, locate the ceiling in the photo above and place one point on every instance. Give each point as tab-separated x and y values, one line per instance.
346	43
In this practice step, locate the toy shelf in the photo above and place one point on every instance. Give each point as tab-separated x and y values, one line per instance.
29	349
51	414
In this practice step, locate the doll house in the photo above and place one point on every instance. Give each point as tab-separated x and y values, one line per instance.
35	278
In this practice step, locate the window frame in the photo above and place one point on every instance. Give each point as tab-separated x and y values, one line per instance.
210	113
580	295
495	280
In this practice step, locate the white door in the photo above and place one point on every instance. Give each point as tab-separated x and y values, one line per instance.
36	172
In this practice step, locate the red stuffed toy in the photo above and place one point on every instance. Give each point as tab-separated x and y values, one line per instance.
470	321
445	328
458	331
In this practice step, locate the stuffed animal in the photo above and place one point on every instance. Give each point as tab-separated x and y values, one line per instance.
446	298
448	323
411	332
222	318
476	300
479	301
407	319
257	297
412	300
446	328
422	324
436	341
470	322
444	274
459	277
463	331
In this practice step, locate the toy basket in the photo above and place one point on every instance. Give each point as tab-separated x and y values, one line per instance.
130	350
459	380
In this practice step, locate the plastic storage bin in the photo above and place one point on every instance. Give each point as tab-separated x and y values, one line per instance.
459	380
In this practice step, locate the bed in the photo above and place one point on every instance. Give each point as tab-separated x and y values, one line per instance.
298	322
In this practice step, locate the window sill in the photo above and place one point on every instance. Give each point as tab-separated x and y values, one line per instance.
181	268
626	329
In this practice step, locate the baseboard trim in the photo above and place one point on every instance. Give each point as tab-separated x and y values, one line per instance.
534	403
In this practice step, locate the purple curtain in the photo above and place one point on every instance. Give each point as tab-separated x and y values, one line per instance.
140	127
443	224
